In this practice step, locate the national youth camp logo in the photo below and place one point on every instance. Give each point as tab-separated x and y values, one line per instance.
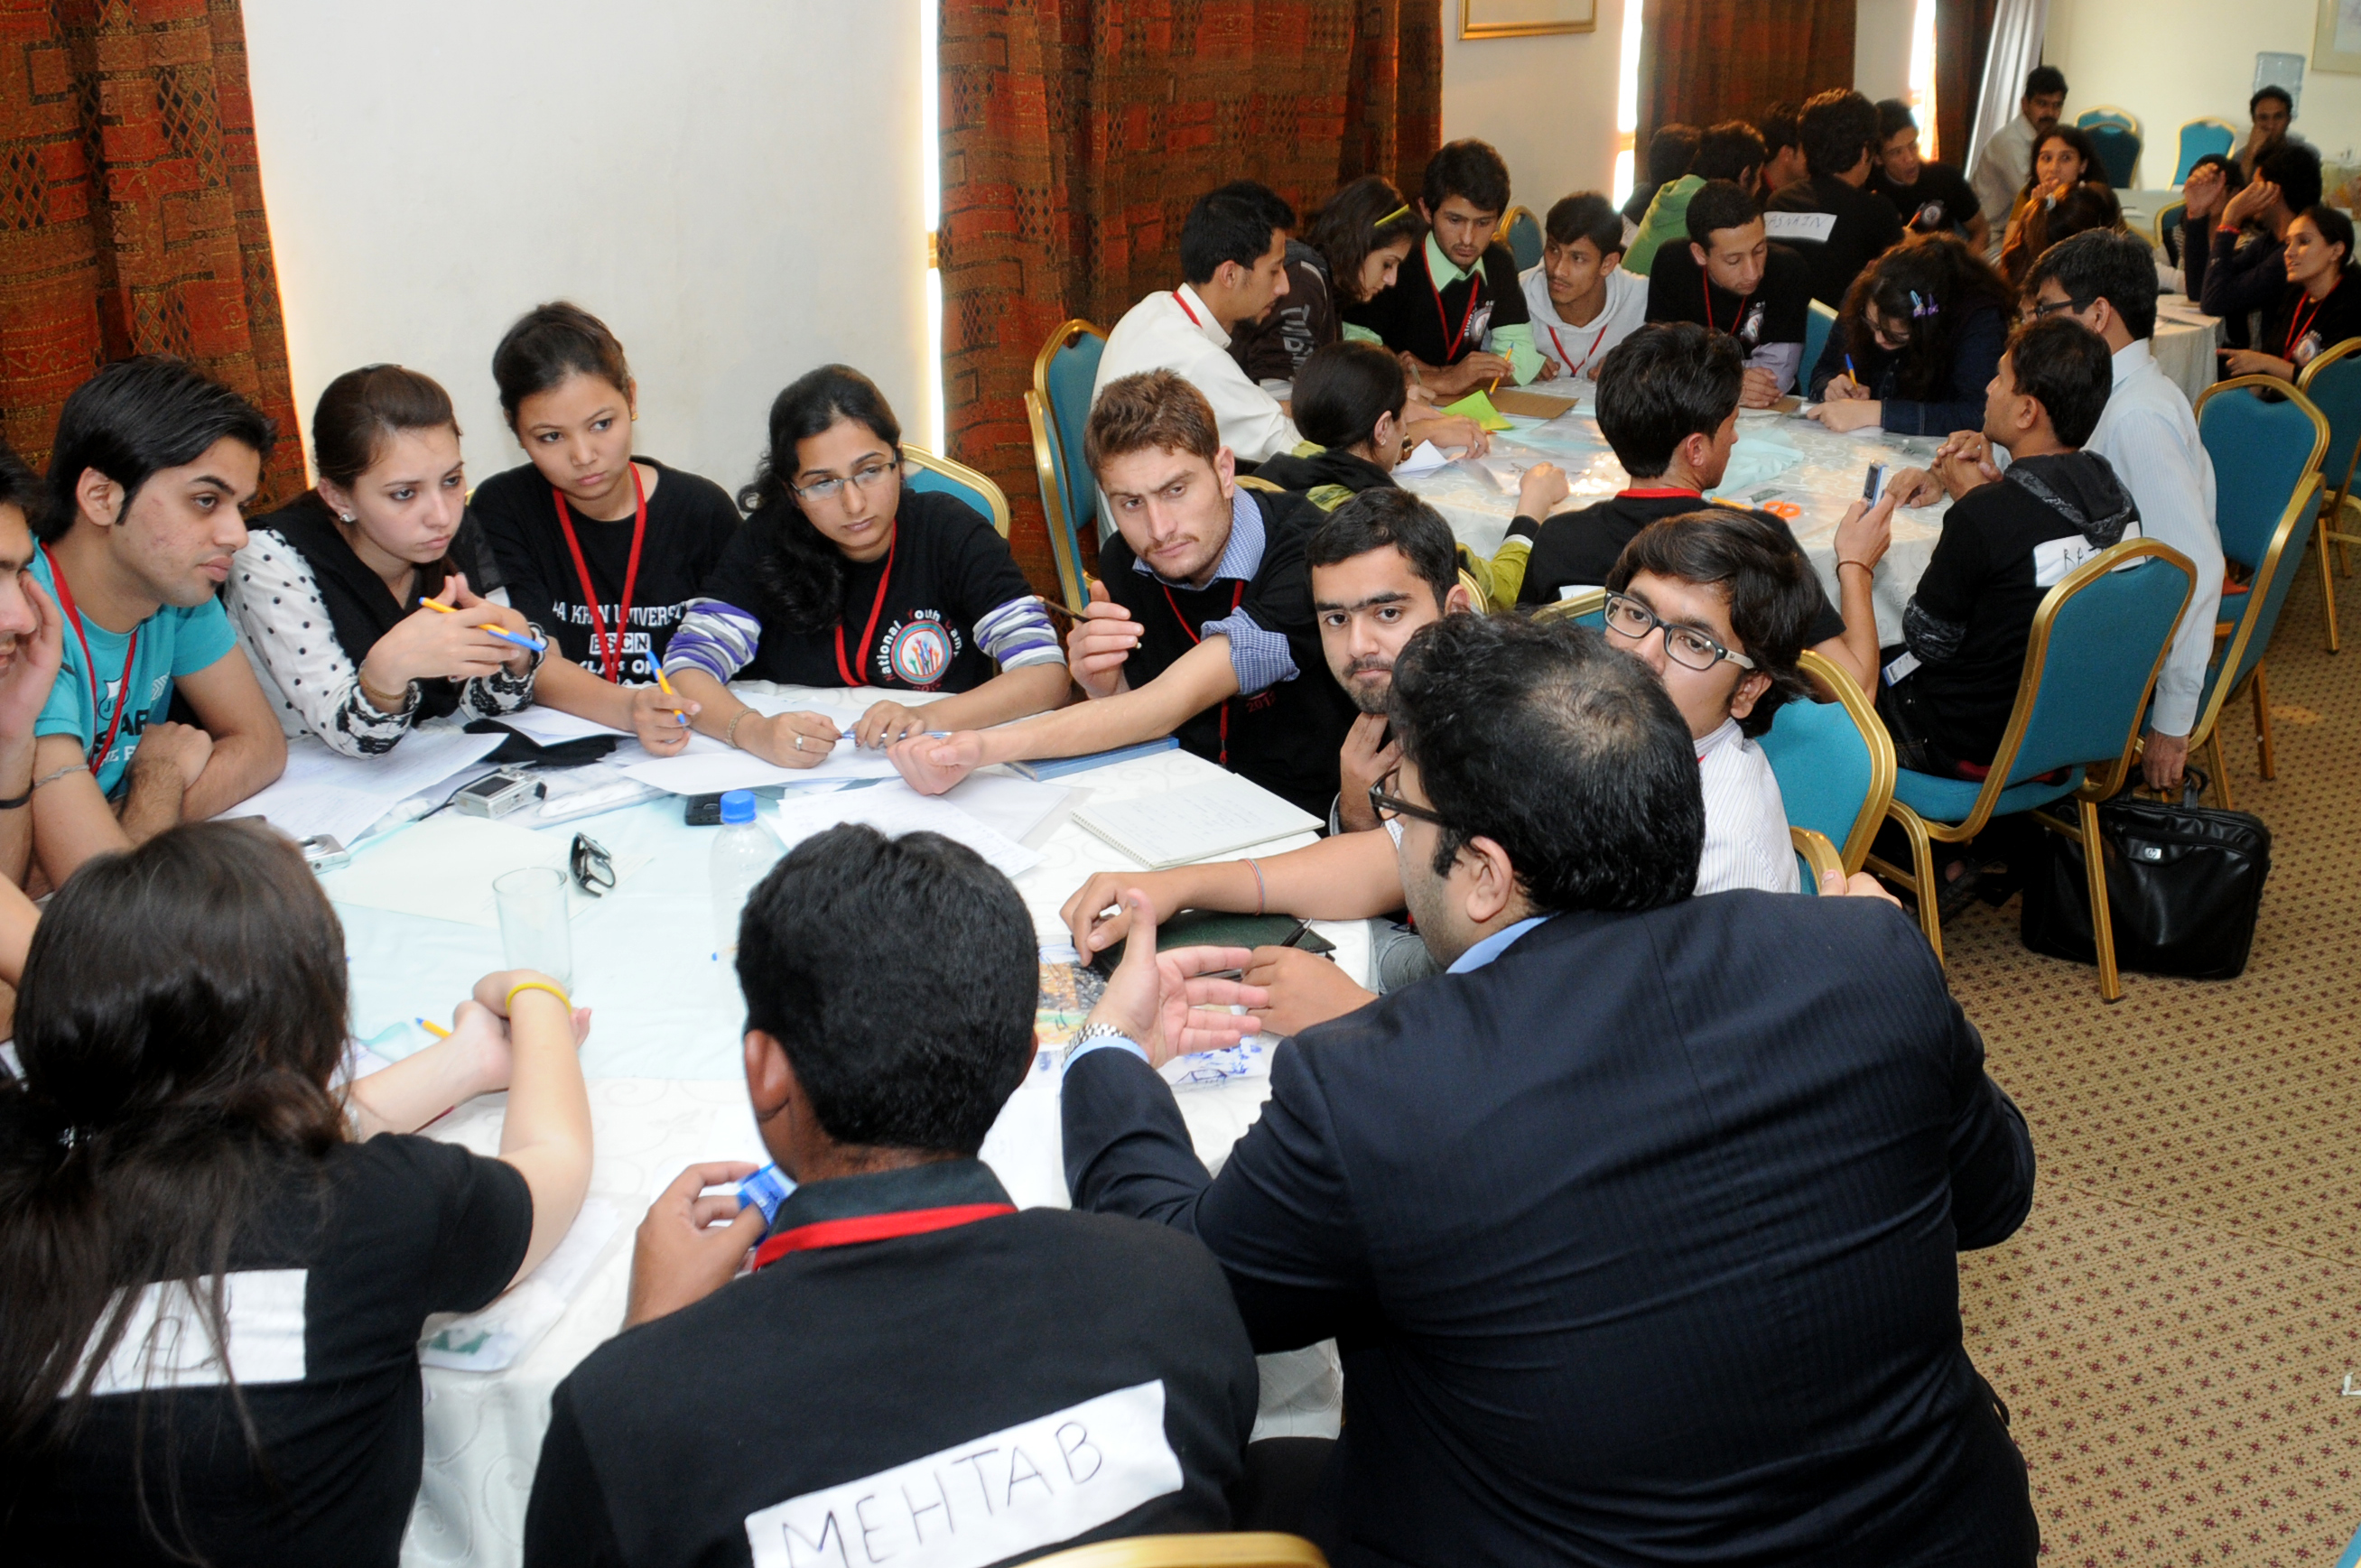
918	653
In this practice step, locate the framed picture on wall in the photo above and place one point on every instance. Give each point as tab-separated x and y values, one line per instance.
1531	18
2336	44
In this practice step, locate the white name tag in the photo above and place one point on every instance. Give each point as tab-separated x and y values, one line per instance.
167	1344
1900	669
2054	558
1573	589
1018	1489
1813	228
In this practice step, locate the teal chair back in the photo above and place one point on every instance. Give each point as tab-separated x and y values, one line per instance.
2119	150
1834	762
2199	138
922	470
2107	626
2171	222
1070	371
1818	322
1524	238
2090	119
2261	451
2275	572
2332	382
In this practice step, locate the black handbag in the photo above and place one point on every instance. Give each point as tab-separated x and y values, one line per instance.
2184	884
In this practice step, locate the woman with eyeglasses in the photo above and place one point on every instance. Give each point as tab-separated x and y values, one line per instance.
845	577
1920	336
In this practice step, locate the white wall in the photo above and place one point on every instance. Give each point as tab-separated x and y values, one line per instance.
1880	48
2169	62
733	186
1548	104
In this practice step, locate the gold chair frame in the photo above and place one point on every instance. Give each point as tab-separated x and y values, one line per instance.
2273	385
1818	854
1065	543
2155	226
1243	1550
1842	688
2100	778
996	498
1588	602
2207	731
2340	490
1507	220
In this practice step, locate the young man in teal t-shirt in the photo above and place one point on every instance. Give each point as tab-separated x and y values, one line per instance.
151	467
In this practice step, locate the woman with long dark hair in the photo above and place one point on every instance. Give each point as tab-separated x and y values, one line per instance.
2063	157
1919	340
2322	307
1350	250
844	575
213	1294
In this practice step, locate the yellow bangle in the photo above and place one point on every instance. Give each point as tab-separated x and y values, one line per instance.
536	985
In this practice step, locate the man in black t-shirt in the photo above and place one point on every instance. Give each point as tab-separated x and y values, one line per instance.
1839	227
1668	405
1949	688
1457	313
1730	279
1200	624
1928	197
914	1366
690	520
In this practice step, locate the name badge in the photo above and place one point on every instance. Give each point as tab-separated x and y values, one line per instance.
1809	228
1480	323
1016	1491
2053	559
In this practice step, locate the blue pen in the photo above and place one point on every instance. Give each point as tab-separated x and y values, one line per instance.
931	735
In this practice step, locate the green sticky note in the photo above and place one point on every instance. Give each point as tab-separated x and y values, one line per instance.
1478	407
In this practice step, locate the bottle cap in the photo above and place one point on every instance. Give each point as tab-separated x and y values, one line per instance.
738	806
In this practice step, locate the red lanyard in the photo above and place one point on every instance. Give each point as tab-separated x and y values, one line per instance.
1186	311
1237	598
611	650
96	760
2295	329
874	1228
1571	368
1475	288
1661	493
1705	283
861	660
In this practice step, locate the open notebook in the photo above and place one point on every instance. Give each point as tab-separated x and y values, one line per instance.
1195	823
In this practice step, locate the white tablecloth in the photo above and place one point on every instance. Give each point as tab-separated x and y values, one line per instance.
2185	340
1825	480
666	1092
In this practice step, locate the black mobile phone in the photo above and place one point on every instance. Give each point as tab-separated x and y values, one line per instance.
701	810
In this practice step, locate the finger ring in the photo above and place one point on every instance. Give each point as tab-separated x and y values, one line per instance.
799	743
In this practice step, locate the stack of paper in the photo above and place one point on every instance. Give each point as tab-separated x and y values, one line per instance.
1218	816
326	792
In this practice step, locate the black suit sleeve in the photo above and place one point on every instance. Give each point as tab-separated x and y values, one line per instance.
566	1520
1991	1151
1278	1217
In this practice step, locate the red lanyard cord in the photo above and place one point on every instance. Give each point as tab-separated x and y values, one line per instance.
611	650
1571	368
97	759
874	1228
1474	290
1705	283
1185	310
1237	598
2295	329
860	661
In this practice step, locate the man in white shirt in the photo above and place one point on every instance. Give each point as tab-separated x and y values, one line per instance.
1234	264
2106	281
2007	159
1583	302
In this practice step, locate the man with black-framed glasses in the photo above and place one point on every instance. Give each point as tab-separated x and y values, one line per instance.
1637	1227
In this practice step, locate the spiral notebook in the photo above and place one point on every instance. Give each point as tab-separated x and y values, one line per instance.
1198	822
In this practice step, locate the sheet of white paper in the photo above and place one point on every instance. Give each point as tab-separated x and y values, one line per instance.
551	727
698	771
1424	458
1010	807
894	810
324	791
443	869
1196	823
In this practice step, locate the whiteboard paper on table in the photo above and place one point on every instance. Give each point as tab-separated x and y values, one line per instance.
547	727
894	810
1195	823
326	792
443	869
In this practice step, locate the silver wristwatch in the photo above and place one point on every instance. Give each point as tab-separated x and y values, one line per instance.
1090	1032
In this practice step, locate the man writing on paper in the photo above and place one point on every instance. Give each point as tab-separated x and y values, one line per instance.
915	1370
1638	1237
1730	278
1201	624
149	467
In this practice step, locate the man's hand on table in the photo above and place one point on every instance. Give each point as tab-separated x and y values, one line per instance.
1480	368
1914	487
1301	989
931	765
1842	416
691	1244
1760	390
886	722
1166	1003
1540	488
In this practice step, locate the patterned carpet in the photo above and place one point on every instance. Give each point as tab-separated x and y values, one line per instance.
2174	1326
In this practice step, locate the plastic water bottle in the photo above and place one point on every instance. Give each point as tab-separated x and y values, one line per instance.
743	854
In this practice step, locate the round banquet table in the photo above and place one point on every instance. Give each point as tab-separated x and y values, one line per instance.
666	1092
1824	477
2185	340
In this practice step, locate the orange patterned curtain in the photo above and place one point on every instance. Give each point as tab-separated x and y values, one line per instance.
1703	60
131	210
1077	133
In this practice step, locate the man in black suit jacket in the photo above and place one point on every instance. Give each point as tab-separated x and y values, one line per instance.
1636	1230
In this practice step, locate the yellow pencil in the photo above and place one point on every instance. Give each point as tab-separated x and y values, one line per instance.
533	642
437	1030
665	687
